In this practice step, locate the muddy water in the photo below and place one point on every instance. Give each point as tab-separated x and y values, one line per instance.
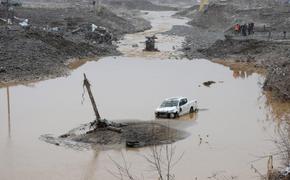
235	123
166	44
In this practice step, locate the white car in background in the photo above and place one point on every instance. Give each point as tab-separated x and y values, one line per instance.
175	107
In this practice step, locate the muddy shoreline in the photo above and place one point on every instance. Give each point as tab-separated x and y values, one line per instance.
254	53
58	37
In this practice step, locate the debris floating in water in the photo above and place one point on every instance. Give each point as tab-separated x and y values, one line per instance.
208	83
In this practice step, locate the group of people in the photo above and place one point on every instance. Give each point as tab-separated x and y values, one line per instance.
246	29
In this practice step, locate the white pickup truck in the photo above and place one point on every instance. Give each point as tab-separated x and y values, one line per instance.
175	107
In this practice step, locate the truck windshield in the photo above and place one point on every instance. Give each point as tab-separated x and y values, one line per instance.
169	103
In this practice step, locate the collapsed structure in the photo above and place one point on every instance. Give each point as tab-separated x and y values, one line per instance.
150	43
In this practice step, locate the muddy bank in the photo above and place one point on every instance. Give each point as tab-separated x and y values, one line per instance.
34	54
206	38
57	37
270	55
140	132
139	4
116	4
195	39
218	17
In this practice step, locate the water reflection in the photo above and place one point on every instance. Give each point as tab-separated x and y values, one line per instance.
9	112
241	74
186	117
92	166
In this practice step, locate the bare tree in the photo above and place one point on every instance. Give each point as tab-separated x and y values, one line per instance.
123	169
161	159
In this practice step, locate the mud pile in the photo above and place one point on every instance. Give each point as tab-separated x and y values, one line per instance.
71	18
248	50
141	132
55	37
33	54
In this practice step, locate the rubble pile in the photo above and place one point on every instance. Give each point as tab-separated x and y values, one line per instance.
99	34
40	42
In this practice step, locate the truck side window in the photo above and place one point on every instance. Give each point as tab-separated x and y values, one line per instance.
182	102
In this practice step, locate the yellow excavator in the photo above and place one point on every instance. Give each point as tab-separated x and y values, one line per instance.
203	3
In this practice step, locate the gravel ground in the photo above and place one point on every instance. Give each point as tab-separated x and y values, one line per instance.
41	53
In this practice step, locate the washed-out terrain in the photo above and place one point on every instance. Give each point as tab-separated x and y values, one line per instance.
227	135
212	36
230	137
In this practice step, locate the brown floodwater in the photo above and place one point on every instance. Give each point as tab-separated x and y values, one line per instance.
236	121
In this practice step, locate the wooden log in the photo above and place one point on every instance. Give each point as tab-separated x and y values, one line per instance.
76	30
9	112
88	86
115	129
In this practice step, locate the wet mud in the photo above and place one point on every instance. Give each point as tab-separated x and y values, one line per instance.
235	118
56	37
143	133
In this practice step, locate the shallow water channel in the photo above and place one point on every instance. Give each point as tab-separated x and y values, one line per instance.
236	122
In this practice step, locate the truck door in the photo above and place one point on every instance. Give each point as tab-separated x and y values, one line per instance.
182	106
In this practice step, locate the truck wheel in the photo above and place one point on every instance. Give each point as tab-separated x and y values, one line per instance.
156	116
172	115
191	110
176	115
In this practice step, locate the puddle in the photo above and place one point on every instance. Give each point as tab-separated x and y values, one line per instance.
234	122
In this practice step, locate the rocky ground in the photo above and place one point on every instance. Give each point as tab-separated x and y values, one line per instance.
210	36
57	36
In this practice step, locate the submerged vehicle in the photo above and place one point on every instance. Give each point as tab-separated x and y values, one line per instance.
175	107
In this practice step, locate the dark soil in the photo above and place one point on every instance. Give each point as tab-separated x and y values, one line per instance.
41	52
146	133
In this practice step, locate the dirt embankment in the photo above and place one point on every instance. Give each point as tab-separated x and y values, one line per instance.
138	4
258	50
270	55
56	36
